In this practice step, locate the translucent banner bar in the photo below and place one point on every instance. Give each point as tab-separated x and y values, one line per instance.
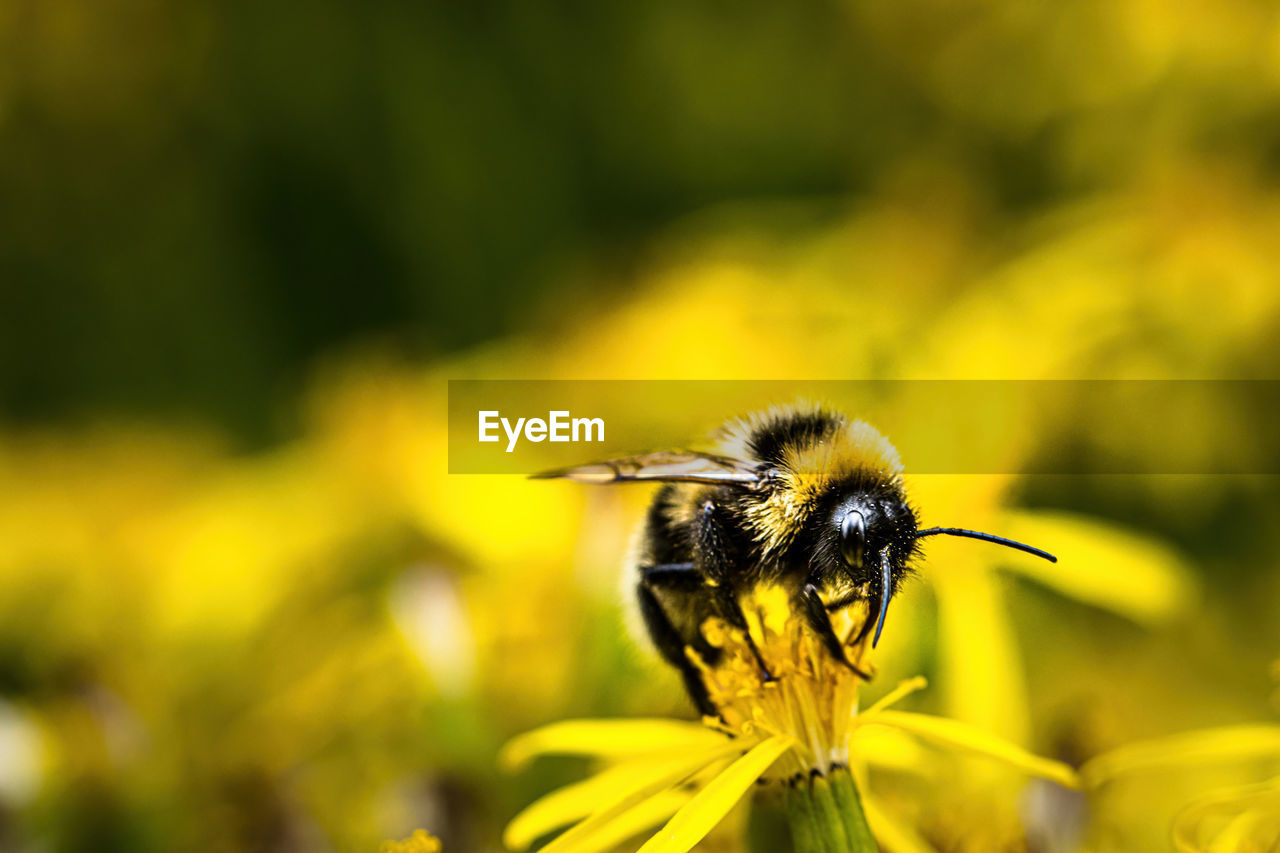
939	426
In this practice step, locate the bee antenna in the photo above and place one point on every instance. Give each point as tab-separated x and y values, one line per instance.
986	537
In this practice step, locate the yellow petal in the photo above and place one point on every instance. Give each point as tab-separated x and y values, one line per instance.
893	836
606	739
890	749
1189	749
691	824
1234	837
981	669
897	694
599	831
645	816
1102	564
577	801
1251	804
958	735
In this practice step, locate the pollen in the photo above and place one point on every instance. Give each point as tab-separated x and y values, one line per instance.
420	842
805	694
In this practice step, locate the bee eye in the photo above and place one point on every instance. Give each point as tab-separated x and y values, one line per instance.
853	538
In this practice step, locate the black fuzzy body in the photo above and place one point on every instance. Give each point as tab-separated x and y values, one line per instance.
706	546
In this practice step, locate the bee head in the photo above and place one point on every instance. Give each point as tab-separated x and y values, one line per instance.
861	526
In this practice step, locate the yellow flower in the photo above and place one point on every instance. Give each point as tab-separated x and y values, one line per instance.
420	842
1236	819
799	725
1099	563
1243	819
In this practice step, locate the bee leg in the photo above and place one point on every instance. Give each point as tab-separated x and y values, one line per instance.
668	640
843	602
733	613
816	615
685	580
682	577
716	558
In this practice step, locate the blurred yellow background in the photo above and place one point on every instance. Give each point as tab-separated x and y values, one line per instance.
244	245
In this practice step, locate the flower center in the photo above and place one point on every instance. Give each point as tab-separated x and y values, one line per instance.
807	692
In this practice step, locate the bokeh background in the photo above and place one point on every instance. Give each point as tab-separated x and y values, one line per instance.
243	245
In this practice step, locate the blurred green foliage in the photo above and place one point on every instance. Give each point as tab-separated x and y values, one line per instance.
201	198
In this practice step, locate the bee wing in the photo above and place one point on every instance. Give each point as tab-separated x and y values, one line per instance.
678	466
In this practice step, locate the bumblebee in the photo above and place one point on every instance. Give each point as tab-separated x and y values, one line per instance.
799	497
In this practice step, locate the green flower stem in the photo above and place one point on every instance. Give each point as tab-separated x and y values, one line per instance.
800	816
850	805
830	822
825	814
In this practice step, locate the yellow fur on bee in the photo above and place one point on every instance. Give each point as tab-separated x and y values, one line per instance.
855	448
